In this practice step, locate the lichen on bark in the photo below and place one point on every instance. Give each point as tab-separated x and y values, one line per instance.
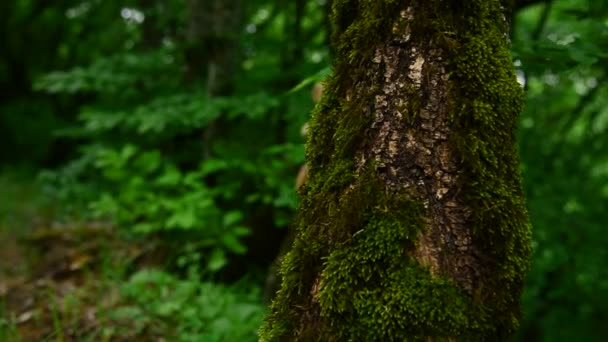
413	224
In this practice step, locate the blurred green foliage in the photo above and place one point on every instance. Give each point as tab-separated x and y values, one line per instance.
157	153
563	144
106	96
190	310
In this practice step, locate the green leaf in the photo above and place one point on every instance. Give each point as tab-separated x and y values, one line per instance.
106	158
232	217
148	161
185	219
128	151
167	308
213	165
241	231
232	243
171	177
319	76
144	227
106	204
217	260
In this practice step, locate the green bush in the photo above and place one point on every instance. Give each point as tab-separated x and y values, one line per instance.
190	310
164	158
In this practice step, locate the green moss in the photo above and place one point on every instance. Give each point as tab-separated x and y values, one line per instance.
358	239
487	102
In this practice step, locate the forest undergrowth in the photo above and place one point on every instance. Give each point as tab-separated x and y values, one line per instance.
81	281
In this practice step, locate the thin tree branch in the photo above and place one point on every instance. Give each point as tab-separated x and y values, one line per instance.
536	34
542	22
520	4
583	102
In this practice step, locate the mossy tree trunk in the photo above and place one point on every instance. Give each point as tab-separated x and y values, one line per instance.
412	224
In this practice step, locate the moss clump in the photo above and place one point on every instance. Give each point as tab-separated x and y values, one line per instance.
371	291
487	101
354	235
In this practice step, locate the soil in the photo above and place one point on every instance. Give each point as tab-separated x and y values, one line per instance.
53	286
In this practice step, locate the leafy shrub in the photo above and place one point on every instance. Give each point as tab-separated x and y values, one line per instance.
191	310
159	157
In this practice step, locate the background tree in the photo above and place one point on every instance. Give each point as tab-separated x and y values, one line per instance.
412	224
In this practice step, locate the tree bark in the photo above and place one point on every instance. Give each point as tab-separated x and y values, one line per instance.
413	223
520	4
214	33
152	35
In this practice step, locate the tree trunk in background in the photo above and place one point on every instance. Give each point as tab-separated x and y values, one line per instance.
213	52
152	36
413	223
328	25
214	32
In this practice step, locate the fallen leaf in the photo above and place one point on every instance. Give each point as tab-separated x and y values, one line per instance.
25	316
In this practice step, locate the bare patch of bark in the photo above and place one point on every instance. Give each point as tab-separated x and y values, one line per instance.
413	154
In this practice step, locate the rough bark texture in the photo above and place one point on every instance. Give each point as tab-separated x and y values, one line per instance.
412	224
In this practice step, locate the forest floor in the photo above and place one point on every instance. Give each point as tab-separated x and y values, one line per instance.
59	282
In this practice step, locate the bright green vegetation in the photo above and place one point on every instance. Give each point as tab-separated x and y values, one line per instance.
106	102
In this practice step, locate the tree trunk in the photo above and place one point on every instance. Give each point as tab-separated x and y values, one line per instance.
151	35
214	29
213	32
413	223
